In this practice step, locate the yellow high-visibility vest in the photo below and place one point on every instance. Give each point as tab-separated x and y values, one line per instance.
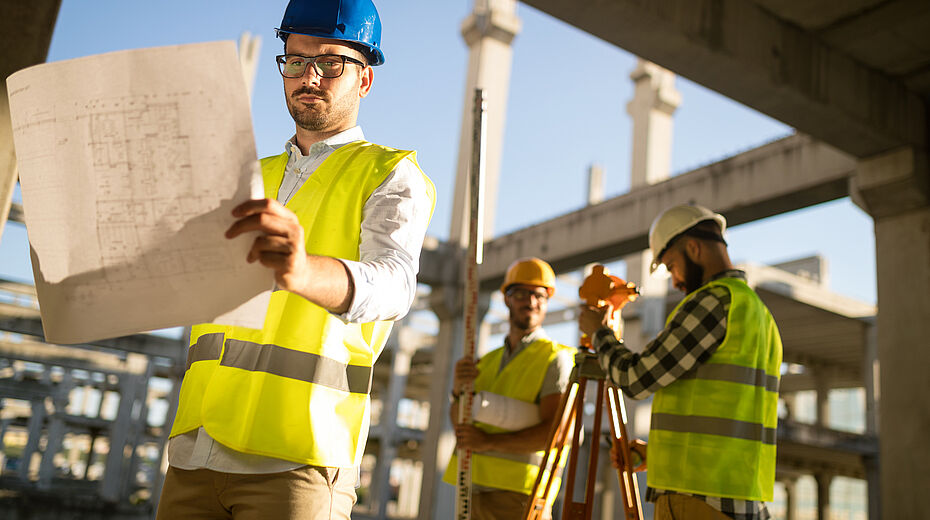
713	431
297	389
522	379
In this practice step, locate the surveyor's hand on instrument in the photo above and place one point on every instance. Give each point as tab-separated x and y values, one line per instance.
465	372
637	455
469	437
591	318
280	244
638	452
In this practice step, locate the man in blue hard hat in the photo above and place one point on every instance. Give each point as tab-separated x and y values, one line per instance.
272	423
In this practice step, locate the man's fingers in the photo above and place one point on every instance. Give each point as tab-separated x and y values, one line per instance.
273	244
251	207
267	223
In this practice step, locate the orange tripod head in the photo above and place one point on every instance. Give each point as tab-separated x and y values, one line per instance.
601	289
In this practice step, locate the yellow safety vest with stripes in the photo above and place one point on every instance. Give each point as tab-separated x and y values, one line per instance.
522	379
297	389
713	430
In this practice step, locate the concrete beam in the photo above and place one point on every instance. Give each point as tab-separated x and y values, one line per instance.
16	213
68	357
785	175
749	55
147	344
25	34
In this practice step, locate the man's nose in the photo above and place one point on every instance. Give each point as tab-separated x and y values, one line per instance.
311	75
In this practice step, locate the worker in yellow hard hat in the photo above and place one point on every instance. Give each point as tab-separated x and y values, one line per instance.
714	371
529	368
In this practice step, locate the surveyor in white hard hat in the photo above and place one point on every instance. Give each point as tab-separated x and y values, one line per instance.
272	423
714	371
530	368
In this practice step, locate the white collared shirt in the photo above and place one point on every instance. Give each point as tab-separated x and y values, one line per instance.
394	221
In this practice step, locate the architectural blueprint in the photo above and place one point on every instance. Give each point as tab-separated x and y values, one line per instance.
130	163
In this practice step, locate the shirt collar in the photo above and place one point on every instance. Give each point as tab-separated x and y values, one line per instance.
729	273
330	143
539	333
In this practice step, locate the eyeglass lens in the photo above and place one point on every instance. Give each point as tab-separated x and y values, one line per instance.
326	65
524	294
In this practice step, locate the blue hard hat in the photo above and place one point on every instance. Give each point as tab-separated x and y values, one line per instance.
354	21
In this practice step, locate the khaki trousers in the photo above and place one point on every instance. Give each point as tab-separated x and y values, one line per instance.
306	493
500	505
683	507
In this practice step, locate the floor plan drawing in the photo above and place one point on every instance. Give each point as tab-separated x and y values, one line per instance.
143	153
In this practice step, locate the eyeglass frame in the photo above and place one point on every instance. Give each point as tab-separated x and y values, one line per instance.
525	294
280	59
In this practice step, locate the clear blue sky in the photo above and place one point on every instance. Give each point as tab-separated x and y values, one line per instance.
557	124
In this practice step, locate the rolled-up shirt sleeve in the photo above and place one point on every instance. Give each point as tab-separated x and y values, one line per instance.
691	338
394	222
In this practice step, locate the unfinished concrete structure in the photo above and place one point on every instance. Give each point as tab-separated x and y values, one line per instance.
851	77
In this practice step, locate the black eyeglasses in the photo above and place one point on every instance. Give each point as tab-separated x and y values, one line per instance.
520	293
324	65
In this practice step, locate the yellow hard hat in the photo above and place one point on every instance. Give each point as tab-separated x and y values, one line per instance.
530	271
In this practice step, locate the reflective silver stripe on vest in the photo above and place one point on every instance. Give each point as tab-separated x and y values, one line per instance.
532	459
208	346
713	426
302	366
734	374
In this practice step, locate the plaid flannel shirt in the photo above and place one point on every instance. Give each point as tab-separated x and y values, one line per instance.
691	338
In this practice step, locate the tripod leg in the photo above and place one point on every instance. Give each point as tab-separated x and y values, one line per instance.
629	488
573	509
595	450
551	466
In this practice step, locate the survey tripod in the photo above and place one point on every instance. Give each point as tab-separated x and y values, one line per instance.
599	289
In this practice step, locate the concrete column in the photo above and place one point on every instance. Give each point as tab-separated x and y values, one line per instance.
870	368
894	188
400	367
874	489
488	32
789	400
56	431
115	467
654	102
823	495
791	498
179	364
36	421
137	364
872	464
823	398
595	183
249	47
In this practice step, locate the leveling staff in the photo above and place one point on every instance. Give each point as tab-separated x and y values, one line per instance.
714	371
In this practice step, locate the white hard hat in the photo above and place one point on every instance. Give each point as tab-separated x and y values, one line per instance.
675	221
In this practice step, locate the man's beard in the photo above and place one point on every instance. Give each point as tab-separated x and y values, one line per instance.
317	118
522	322
694	275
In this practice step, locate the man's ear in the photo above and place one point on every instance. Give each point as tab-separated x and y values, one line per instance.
694	248
367	76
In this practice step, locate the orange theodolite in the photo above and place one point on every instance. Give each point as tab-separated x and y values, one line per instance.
601	288
598	290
